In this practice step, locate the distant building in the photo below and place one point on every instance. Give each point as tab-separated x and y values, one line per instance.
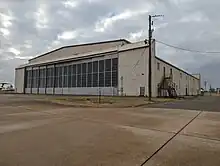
116	67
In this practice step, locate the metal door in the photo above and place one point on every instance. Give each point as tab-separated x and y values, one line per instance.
142	91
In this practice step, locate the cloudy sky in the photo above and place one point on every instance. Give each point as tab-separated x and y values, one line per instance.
31	27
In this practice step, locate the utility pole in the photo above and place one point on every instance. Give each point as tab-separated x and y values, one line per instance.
150	54
150	65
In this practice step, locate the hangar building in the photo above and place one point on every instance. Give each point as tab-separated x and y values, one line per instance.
115	68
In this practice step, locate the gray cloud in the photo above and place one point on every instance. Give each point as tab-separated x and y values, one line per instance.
37	26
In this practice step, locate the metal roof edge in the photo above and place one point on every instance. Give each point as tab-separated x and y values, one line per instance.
101	42
67	59
115	49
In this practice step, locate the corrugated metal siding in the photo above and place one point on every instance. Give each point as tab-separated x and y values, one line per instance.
185	83
132	71
68	51
19	80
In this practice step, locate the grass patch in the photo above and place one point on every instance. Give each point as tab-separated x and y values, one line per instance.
106	101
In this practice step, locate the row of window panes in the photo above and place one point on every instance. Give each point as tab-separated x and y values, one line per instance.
93	74
105	79
91	67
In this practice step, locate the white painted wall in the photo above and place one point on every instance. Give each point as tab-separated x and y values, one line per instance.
132	74
27	90
41	91
49	91
19	80
34	91
104	91
133	71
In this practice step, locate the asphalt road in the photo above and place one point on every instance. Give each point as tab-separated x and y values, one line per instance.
37	133
204	103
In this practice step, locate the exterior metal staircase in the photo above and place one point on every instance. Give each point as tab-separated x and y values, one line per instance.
166	88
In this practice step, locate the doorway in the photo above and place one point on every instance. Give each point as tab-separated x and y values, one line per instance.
142	91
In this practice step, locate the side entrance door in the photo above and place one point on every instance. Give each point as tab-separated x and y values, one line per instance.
142	91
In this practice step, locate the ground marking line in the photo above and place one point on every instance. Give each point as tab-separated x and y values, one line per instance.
7	129
201	137
160	148
120	125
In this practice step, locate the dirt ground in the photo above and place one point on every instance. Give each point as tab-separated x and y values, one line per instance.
40	132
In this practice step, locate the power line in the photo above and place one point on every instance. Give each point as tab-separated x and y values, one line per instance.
189	50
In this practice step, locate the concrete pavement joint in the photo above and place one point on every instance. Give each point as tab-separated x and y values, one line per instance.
160	148
47	112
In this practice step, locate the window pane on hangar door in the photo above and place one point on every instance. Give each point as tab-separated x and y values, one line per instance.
115	72
65	76
56	77
60	74
79	75
52	77
43	78
69	75
95	74
84	74
89	75
101	73
108	80
73	76
28	78
115	64
48	77
36	78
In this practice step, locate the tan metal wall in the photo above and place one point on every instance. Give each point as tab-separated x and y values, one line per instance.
133	71
69	51
181	79
198	82
19	80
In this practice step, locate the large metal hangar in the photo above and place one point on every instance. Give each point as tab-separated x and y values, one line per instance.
116	67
